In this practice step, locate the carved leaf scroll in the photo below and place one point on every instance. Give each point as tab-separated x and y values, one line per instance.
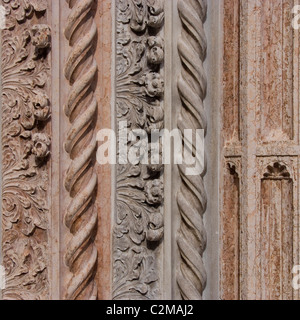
26	143
139	92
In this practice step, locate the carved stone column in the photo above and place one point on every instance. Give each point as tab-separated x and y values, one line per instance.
80	143
192	198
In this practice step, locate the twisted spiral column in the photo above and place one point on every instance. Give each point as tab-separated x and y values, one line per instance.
80	144
191	198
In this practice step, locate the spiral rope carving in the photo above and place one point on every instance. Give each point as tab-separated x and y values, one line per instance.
81	178
191	198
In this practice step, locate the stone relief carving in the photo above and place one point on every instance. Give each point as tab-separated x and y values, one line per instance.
192	199
80	144
277	171
26	143
260	194
19	11
139	101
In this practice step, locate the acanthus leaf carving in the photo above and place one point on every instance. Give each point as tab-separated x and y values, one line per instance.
25	262
21	10
26	111
140	90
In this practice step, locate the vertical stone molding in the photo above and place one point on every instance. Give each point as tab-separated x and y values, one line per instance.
276	59
138	226
261	100
230	221
80	144
104	56
230	211
276	233
26	149
192	198
231	73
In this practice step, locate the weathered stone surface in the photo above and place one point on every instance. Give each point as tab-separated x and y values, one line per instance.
74	229
260	151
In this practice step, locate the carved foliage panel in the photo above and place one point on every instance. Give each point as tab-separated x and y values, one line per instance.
26	143
139	102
